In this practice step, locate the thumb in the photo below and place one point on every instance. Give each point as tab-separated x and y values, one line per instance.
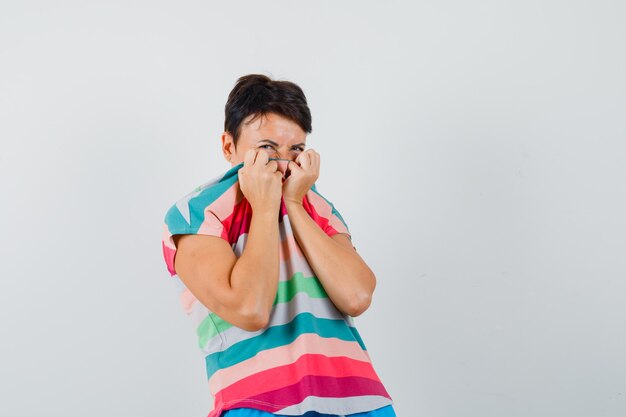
293	166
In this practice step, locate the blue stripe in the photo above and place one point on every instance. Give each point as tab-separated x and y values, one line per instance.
281	335
175	221
386	411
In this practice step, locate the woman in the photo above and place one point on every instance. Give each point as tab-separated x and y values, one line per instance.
268	271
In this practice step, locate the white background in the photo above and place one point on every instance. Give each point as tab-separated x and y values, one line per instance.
475	149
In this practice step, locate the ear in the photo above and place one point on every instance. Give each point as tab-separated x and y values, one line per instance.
228	146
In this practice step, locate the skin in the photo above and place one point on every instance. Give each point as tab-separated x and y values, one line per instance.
242	290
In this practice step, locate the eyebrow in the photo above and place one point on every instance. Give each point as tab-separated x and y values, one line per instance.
276	144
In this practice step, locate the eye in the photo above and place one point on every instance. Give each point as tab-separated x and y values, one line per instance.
264	146
300	148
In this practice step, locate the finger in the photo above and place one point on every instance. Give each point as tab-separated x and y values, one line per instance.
305	160
315	161
262	158
301	157
314	156
249	158
272	165
292	166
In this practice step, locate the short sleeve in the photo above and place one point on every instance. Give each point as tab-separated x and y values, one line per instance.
337	224
188	218
326	214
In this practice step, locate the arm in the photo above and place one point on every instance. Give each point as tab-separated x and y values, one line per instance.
239	290
346	278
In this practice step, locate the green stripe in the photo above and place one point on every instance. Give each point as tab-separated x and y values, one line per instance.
214	324
280	335
299	283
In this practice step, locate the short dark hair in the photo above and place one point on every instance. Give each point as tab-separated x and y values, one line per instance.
257	94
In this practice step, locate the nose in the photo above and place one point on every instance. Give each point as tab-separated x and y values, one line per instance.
282	167
283	162
280	155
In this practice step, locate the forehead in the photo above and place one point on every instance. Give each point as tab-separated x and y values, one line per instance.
272	126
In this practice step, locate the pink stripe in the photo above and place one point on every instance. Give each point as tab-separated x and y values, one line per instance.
324	210
224	204
169	255
321	386
187	299
167	237
211	225
283	355
235	213
290	248
238	221
284	376
169	249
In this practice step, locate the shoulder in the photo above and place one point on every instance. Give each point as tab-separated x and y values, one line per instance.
202	211
214	198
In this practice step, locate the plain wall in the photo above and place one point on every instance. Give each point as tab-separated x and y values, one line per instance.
475	149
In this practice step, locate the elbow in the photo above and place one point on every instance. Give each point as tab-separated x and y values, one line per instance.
359	305
252	320
361	302
259	322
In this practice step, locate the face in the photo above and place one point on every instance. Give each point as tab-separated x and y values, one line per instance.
272	133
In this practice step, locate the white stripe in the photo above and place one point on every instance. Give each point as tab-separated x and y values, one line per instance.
282	313
334	405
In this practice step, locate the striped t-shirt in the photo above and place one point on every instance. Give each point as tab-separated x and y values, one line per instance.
310	356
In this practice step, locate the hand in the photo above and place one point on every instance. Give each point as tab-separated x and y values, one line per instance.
302	175
260	181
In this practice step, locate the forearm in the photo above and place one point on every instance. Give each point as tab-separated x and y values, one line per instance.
255	274
346	278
